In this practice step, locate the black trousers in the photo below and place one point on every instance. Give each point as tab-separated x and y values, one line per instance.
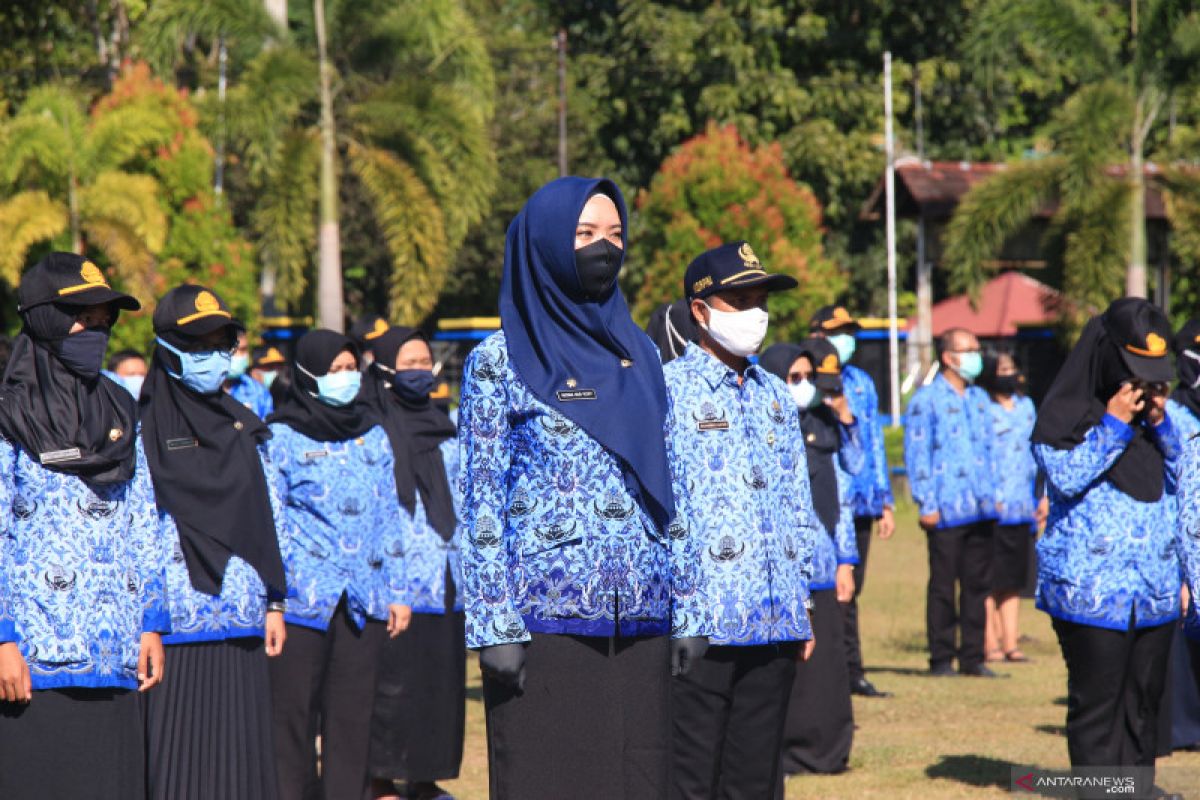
959	557
728	714
324	684
1115	682
854	659
592	724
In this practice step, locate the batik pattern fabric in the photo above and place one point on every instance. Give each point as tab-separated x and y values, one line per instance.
1105	555
1014	470
345	526
240	610
427	556
947	454
840	546
1188	526
553	540
82	572
743	462
253	395
870	489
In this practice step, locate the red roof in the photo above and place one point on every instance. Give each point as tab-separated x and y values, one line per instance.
1008	301
936	187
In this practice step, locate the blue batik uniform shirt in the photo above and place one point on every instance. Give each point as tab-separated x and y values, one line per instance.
427	556
81	572
750	508
1188	528
552	539
870	489
1105	554
240	610
1014	470
947	453
253	395
346	529
840	546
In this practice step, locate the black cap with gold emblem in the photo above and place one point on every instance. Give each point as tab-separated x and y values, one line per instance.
69	279
730	266
1142	334
827	369
193	311
831	320
267	356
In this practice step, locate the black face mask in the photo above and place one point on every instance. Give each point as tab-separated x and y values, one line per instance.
83	352
1007	384
597	266
413	385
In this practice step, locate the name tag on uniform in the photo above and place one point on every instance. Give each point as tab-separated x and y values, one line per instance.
58	456
312	454
713	425
182	444
570	395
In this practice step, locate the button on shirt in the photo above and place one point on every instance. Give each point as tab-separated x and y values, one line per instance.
81	572
947	453
552	541
240	610
871	488
1014	471
345	525
751	513
1105	554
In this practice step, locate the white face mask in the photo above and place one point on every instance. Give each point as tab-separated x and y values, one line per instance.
805	394
739	332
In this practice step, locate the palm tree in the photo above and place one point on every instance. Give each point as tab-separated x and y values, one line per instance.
61	173
409	100
1128	74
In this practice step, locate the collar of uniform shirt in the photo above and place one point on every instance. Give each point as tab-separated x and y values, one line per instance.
714	371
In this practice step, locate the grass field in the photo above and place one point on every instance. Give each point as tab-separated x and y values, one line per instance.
937	737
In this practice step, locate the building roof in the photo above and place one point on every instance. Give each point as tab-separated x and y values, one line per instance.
1009	301
935	188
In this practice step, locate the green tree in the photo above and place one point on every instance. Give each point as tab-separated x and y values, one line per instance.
1130	66
715	188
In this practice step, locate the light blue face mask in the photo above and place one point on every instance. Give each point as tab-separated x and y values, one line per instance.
203	373
269	377
844	343
336	388
133	384
238	365
969	366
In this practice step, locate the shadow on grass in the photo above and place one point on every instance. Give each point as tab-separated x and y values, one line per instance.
919	672
972	770
1053	730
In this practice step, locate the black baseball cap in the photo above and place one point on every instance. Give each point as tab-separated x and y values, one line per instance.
193	311
1142	334
368	328
730	266
827	369
69	279
831	320
267	356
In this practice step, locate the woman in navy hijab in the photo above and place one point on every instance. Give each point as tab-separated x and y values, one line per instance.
570	568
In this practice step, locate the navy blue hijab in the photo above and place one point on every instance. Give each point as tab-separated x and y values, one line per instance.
559	342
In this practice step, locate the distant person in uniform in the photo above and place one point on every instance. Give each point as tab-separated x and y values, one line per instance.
242	387
128	368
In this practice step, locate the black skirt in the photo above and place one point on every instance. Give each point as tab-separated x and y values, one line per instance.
72	743
208	726
592	724
819	730
1010	557
421	701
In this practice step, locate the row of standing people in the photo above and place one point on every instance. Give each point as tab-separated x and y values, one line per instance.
191	596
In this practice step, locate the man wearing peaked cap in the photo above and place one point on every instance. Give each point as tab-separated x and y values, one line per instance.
265	363
751	513
871	488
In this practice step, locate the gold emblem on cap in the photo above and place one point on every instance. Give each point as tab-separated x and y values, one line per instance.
206	303
91	273
830	364
273	355
381	327
746	254
115	434
702	284
572	383
1156	346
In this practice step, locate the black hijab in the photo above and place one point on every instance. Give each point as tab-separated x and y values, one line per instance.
415	428
302	411
1078	399
69	424
203	456
1187	365
671	327
818	425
